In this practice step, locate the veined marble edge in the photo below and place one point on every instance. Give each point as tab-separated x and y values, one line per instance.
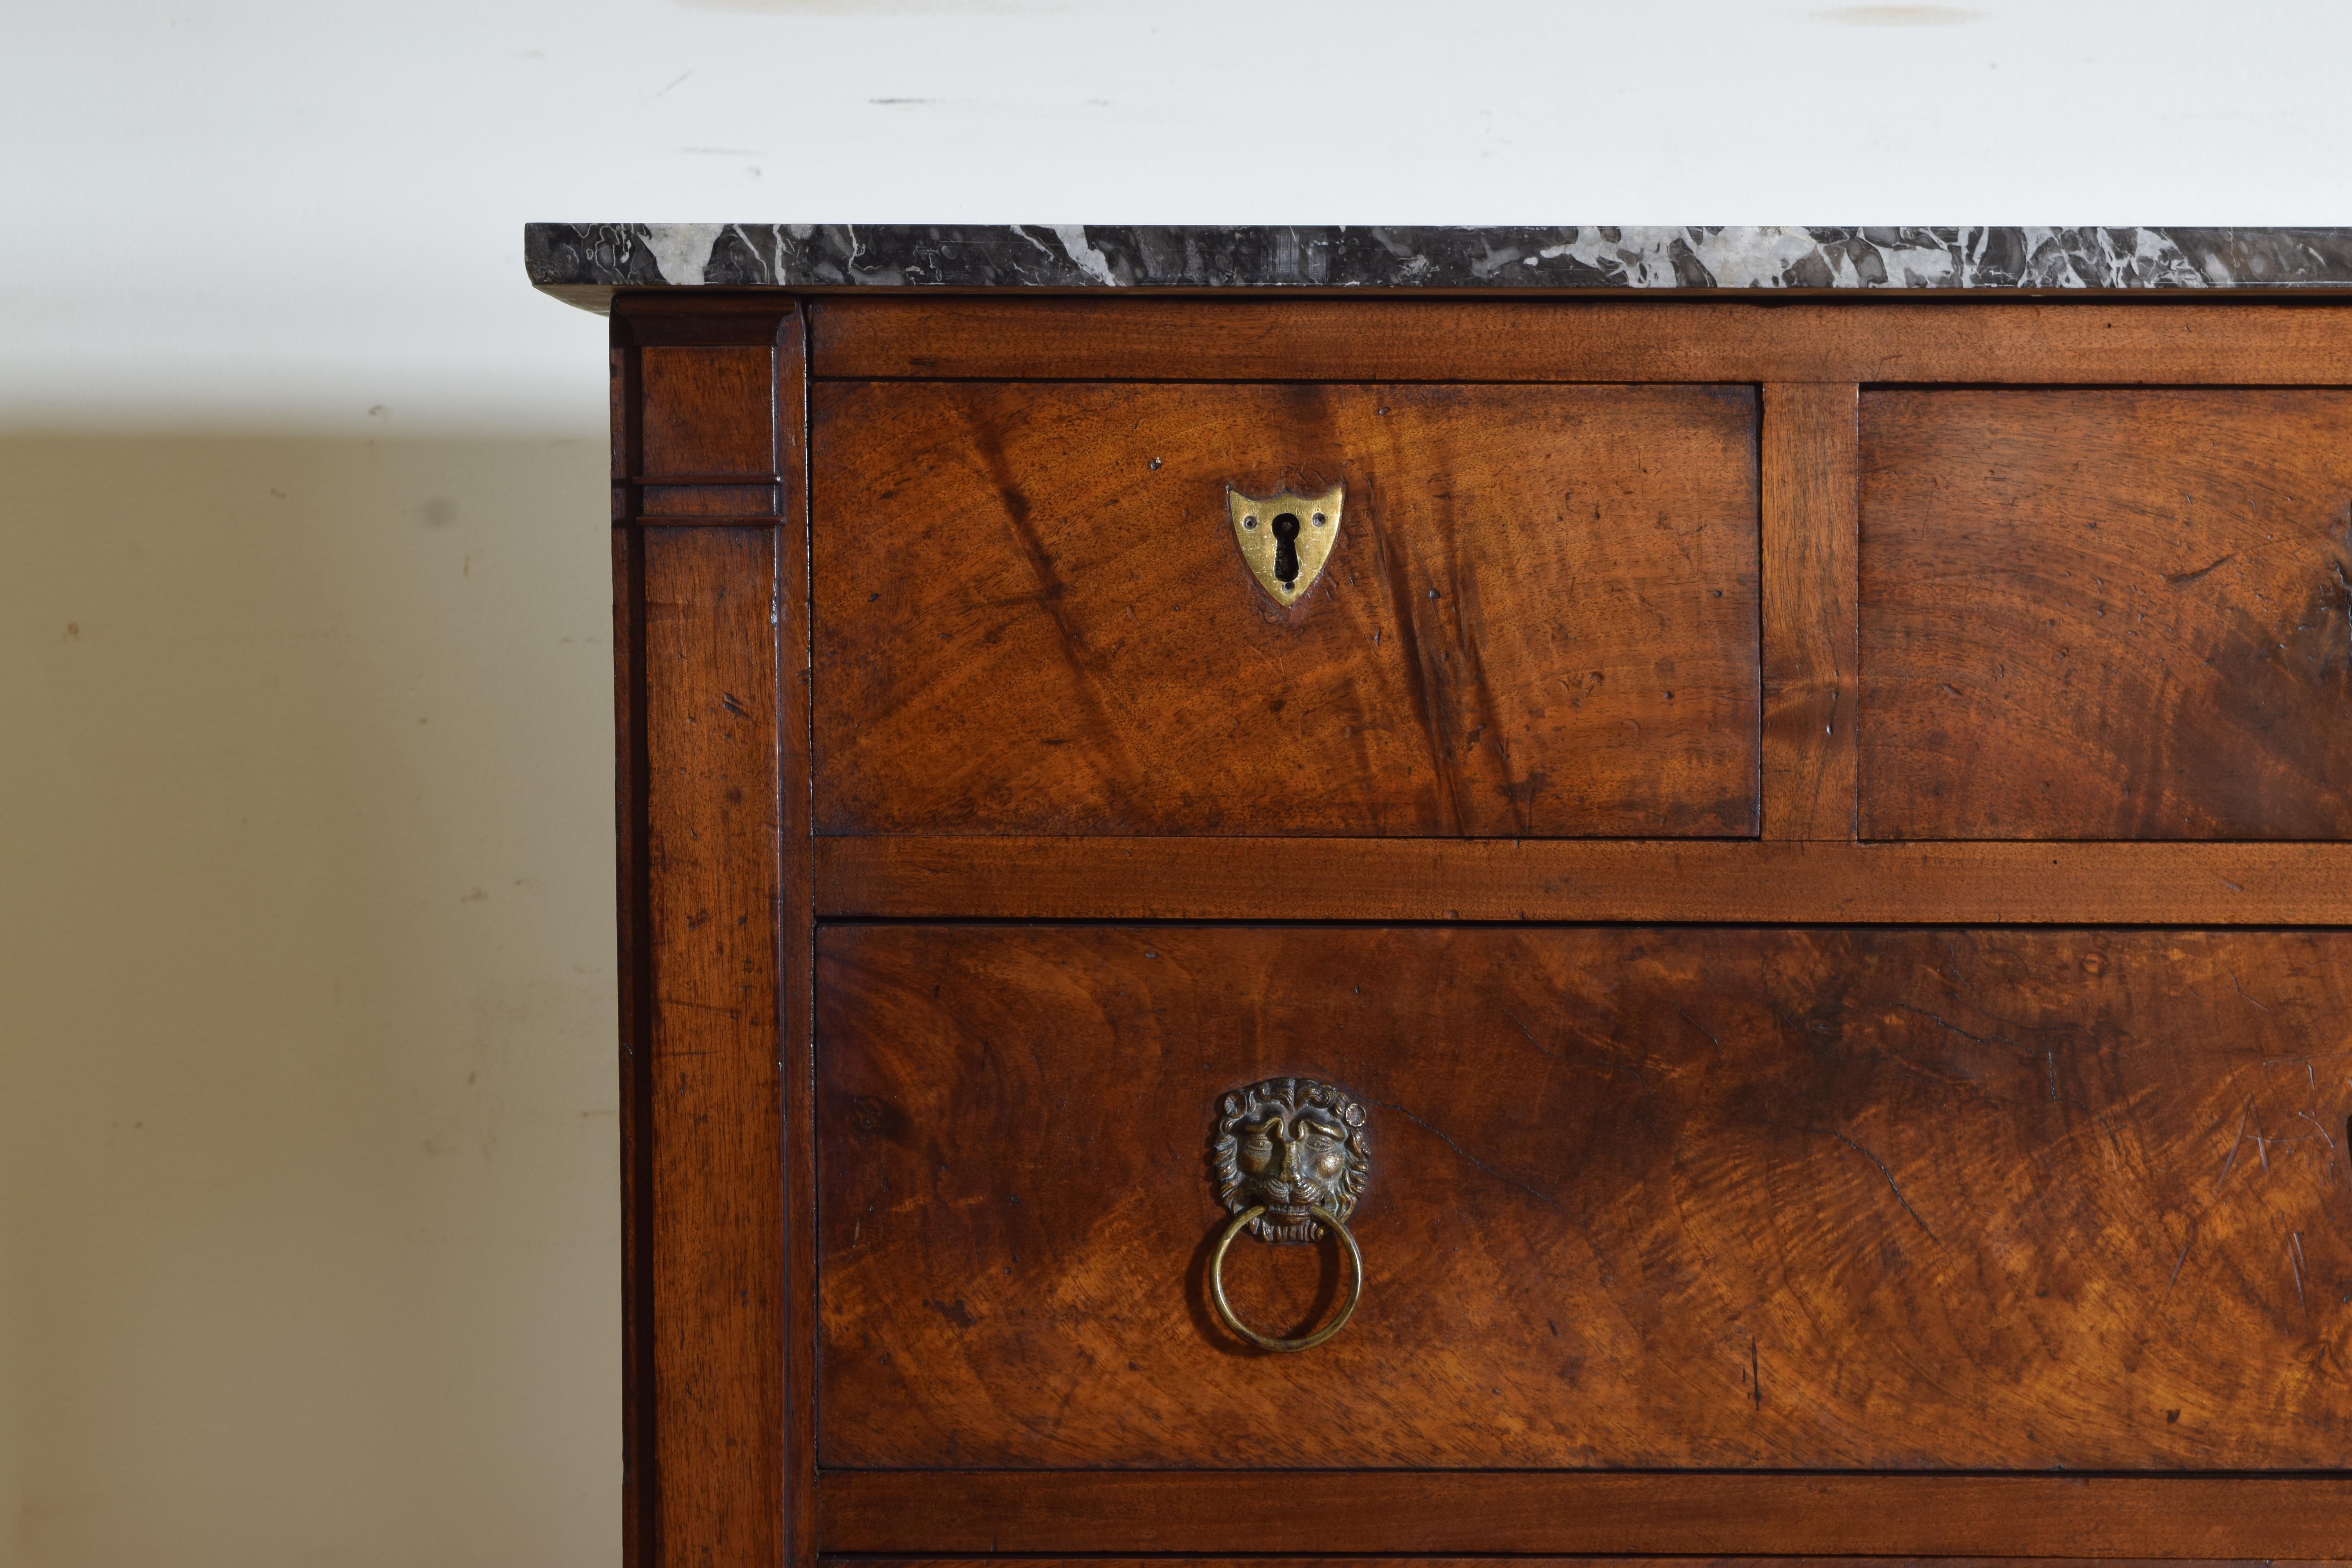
596	298
584	263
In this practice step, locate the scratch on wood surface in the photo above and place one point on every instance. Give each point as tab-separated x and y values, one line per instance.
1702	1028
2242	994
2310	1072
1468	1158
1943	1022
1892	1185
1952	962
2176	1262
1530	1034
2232	1162
2319	1127
2175	579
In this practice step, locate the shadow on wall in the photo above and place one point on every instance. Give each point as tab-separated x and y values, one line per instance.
309	1212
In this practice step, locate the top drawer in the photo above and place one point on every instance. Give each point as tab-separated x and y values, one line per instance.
2106	613
1032	615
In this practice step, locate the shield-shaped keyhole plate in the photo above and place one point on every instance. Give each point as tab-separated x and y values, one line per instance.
1286	537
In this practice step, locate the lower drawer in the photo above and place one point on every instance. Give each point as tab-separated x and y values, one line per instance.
1715	1198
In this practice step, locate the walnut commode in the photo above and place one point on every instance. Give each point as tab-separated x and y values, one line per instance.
1812	833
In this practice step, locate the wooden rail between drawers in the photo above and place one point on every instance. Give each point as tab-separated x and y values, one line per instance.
1706	1513
2138	343
1642	881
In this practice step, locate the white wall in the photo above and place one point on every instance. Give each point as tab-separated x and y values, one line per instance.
294	213
307	1244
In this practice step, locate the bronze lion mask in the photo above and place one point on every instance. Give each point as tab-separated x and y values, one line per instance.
1285	1144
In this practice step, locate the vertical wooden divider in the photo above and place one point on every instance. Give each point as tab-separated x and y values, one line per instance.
1811	474
716	931
796	643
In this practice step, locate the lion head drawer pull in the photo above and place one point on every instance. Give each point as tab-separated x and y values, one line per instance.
1291	1159
1286	538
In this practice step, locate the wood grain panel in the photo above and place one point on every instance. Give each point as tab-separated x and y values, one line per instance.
1539	616
1875	1199
2003	1516
708	410
1978	340
1810	462
2107	615
1534	879
714	1205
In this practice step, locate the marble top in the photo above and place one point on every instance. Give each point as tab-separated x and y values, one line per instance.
586	262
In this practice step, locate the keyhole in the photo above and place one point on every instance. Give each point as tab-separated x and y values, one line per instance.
1285	549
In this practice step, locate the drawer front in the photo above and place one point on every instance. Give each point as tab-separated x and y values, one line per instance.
1033	611
1865	1198
2107	615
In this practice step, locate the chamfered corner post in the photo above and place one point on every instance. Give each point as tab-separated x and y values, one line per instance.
711	655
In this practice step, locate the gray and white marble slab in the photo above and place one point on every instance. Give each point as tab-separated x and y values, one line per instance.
588	260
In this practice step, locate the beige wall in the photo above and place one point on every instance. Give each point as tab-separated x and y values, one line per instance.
309	1230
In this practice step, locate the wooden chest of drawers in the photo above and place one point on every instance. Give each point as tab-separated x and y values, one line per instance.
1780	870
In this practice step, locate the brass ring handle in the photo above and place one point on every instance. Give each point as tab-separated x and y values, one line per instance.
1267	1342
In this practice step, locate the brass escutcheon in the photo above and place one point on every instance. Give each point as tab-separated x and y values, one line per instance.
1286	537
1291	1159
